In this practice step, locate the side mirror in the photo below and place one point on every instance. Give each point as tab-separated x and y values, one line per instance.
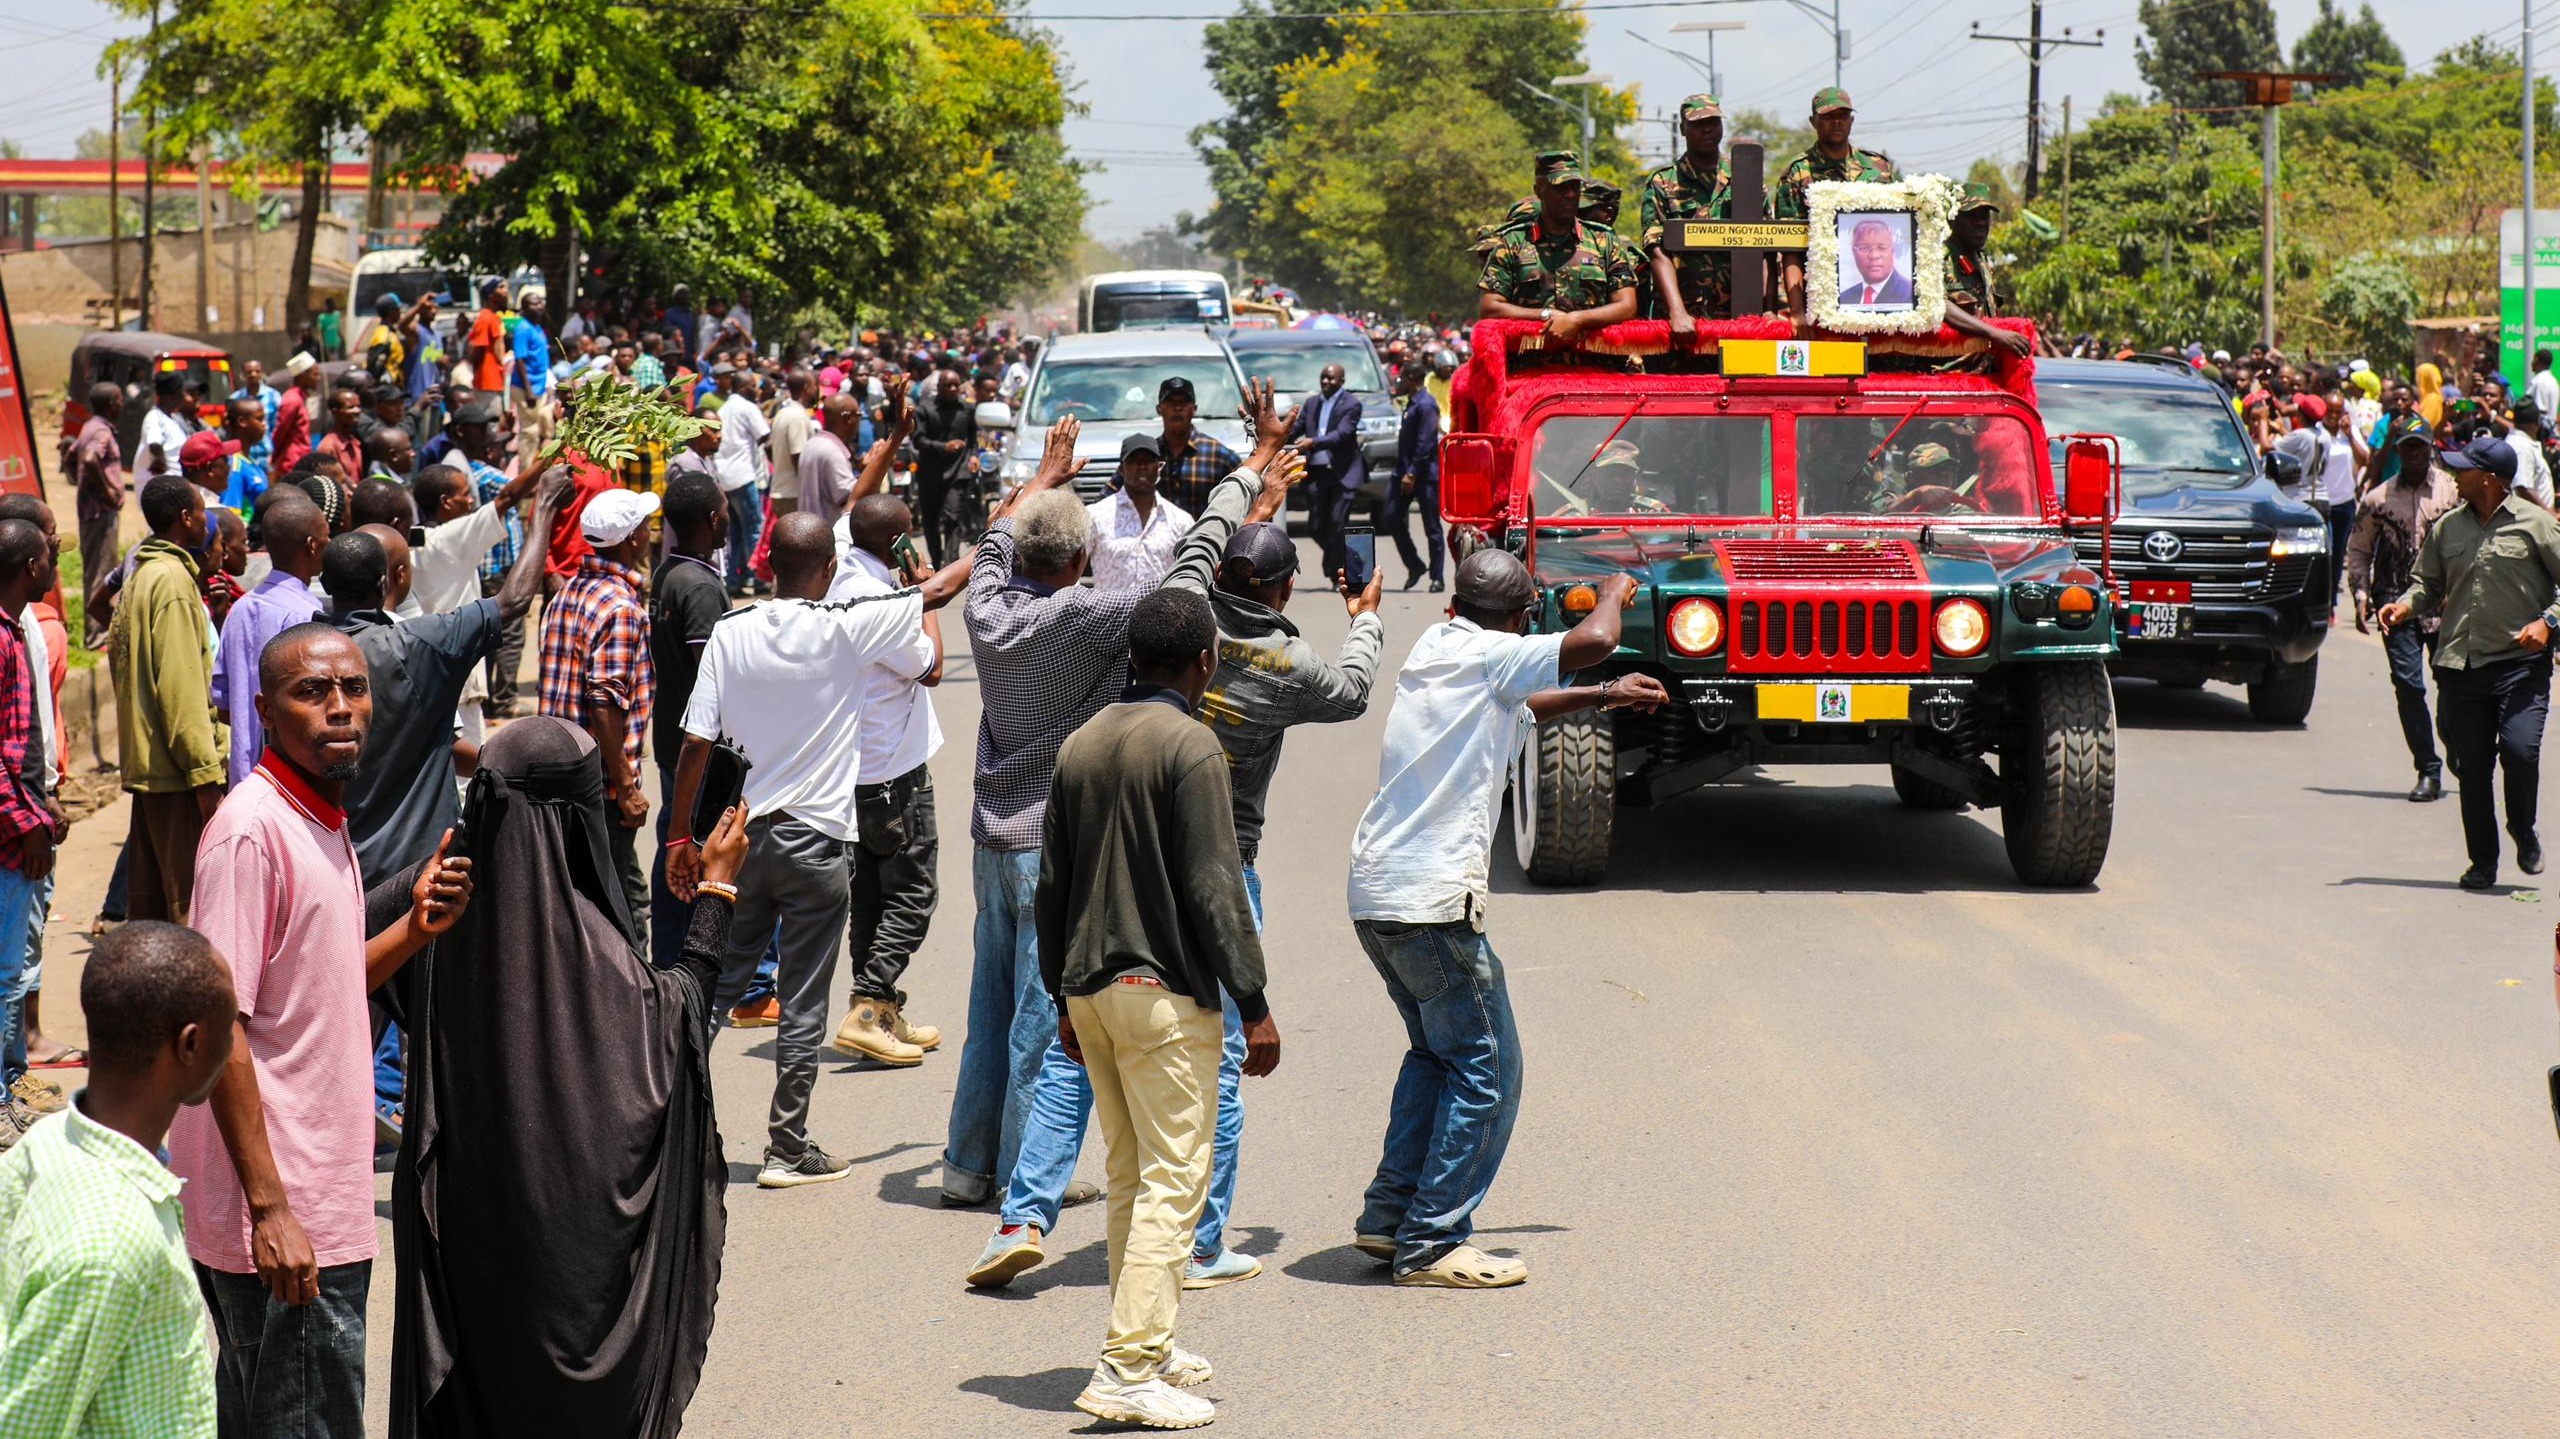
995	415
2089	480
2284	469
1471	475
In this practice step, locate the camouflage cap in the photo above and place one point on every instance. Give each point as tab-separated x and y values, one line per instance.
1598	195
1560	167
1830	98
1977	197
1929	457
1701	106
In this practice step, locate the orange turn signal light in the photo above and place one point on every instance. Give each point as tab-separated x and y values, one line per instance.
1581	600
2078	600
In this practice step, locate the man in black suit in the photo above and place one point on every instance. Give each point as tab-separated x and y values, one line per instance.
1880	283
1327	428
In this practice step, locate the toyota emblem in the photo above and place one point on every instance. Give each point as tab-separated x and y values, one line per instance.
2161	546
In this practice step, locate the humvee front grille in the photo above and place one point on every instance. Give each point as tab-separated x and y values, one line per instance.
1828	634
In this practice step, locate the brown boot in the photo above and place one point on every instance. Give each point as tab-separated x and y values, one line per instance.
923	1036
865	1035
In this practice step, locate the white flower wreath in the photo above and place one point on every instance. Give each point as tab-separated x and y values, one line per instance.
1932	201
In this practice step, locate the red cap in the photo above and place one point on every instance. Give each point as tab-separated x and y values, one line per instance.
2312	408
204	447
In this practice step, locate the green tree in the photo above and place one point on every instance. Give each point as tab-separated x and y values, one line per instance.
2365	306
2359	49
2183	37
1384	145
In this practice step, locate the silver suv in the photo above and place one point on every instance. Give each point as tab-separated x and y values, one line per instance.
1108	383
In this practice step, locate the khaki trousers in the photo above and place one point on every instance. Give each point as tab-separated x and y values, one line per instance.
1152	1056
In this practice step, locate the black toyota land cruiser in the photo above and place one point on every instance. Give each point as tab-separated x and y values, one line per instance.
2220	576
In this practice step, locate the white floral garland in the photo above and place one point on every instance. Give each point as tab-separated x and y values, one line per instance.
1932	201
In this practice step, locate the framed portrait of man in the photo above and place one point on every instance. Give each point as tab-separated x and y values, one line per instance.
1874	268
1876	254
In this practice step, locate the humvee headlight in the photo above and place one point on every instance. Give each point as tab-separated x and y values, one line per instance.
1964	627
1580	600
1695	627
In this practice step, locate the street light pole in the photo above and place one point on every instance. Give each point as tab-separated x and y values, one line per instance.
1590	126
1829	20
2528	347
1710	29
2269	90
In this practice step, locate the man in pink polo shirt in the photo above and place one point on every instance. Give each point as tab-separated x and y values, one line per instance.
279	1167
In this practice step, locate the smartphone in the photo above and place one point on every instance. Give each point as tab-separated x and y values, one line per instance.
724	783
904	552
1359	555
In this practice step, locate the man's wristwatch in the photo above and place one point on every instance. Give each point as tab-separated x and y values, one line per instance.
1547	315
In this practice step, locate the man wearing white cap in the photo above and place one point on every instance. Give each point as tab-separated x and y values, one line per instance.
290	432
596	672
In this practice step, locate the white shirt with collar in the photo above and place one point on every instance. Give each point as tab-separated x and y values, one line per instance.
1130	553
899	729
742	435
444	573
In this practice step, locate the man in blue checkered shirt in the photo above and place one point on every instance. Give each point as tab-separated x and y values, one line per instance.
1193	462
475	438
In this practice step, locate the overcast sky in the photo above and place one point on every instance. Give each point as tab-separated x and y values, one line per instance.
1926	94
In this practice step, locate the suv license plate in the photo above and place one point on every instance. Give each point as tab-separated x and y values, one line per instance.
2160	622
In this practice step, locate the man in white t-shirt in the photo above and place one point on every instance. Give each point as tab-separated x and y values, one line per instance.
894	892
739	466
1419	880
165	429
785	682
2545	387
2533	472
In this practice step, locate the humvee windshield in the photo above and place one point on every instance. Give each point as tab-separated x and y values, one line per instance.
1653	465
1954	465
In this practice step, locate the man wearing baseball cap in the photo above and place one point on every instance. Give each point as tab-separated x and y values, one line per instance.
1135	529
1831	157
1419	883
1193	459
1685	289
1553	268
205	459
2492	569
596	671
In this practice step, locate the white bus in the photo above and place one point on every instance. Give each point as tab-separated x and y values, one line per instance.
1151	299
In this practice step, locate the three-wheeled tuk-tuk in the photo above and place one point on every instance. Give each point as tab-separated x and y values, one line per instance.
131	359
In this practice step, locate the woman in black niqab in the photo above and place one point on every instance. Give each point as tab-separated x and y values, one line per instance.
557	1209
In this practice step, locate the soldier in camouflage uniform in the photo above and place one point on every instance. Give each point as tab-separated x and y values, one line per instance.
1971	298
1599	206
1553	268
1698	186
1831	158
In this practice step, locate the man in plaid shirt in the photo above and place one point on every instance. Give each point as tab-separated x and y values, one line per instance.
1193	462
475	438
29	824
596	672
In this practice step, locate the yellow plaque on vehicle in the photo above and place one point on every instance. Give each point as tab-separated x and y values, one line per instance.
1795	359
1835	703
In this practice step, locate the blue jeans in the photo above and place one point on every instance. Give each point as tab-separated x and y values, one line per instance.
1062	1103
669	916
389	1079
746	523
18	899
288	1368
1012	1023
1457	1094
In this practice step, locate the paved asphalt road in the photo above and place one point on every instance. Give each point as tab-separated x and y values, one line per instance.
1830	1129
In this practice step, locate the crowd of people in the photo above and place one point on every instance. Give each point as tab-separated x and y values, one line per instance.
350	845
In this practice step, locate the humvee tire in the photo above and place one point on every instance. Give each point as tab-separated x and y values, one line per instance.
2284	696
1564	794
2060	766
1921	792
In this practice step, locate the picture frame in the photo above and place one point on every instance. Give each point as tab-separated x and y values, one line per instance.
1876	255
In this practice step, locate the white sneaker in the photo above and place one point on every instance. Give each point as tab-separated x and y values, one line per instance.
1151	1404
1186	1370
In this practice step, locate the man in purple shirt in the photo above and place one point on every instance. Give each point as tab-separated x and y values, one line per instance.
296	532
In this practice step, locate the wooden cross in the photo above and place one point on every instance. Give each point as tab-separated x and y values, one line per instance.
1750	235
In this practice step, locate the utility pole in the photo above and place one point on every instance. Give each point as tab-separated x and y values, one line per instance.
150	189
2066	169
204	238
2035	43
115	198
2528	347
2270	91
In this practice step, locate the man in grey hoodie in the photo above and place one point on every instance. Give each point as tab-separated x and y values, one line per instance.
1268	679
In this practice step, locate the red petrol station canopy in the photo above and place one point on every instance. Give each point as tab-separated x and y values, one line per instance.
92	177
